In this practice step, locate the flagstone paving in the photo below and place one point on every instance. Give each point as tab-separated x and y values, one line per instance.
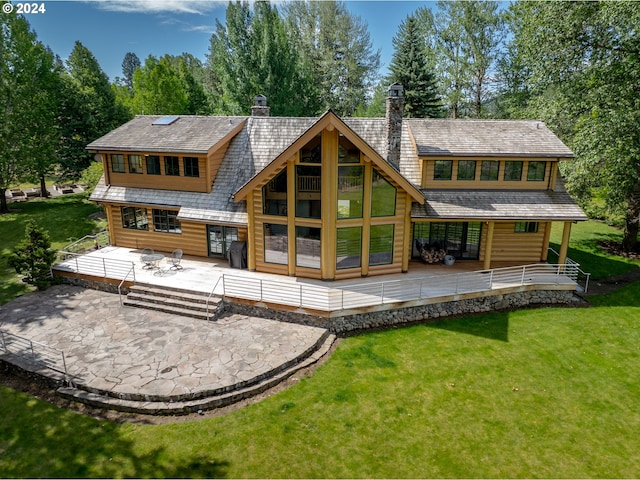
139	352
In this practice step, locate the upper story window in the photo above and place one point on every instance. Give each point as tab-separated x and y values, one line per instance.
274	195
442	169
312	151
383	196
135	164
489	170
191	168
134	218
536	171
308	191
153	165
117	163
512	171
347	151
350	191
466	169
166	221
171	166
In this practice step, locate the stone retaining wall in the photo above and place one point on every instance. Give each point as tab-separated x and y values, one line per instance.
387	318
93	284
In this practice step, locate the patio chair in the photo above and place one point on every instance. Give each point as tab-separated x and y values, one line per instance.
146	259
176	258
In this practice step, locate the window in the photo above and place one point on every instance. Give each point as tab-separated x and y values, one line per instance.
312	151
117	163
383	196
274	195
134	218
308	247
536	171
466	169
191	168
350	191
489	170
349	248
381	245
166	221
276	244
171	166
153	165
308	190
347	151
526	227
135	164
442	169
512	171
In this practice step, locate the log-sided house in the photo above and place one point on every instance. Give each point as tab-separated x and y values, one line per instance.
333	198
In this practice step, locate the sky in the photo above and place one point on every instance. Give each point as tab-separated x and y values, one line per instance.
111	28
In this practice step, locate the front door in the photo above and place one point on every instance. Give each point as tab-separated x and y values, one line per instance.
220	238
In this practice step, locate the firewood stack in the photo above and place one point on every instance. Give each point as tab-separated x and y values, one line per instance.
431	255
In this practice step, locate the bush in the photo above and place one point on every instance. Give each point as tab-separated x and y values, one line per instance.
33	257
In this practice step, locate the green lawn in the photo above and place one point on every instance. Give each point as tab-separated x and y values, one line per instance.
533	393
66	218
549	392
584	249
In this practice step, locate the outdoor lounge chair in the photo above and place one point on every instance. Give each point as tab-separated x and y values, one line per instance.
176	258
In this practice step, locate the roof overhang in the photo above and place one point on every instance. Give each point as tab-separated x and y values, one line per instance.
488	205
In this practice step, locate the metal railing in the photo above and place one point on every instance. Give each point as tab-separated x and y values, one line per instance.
581	277
132	271
38	353
85	244
318	297
213	292
96	266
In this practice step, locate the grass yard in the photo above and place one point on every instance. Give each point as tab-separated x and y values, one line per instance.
66	218
532	393
584	249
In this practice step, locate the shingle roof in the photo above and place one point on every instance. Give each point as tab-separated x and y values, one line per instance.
523	138
188	134
498	205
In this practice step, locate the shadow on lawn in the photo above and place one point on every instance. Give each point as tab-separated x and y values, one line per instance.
494	326
39	440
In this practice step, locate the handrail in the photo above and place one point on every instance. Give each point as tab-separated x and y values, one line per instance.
132	270
579	272
95	265
212	291
7	338
369	294
94	242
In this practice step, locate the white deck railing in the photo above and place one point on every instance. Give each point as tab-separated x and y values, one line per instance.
35	352
346	297
95	266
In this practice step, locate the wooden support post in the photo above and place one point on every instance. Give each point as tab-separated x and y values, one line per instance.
488	246
329	204
545	242
406	243
366	217
566	233
251	235
291	215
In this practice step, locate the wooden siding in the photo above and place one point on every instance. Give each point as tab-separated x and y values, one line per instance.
477	184
192	240
509	246
162	181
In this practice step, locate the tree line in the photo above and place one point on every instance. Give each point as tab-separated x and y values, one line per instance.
573	65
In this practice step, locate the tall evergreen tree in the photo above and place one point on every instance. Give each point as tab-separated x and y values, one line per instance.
337	47
89	109
129	65
409	67
158	89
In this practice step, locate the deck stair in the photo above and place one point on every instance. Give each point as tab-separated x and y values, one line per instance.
202	400
177	301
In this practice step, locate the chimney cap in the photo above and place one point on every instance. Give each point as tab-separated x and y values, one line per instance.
395	90
260	100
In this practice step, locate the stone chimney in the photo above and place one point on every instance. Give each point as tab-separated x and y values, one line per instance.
260	108
395	108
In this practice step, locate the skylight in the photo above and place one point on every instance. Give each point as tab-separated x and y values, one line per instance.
168	120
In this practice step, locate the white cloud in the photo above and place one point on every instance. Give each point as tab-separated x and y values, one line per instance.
200	7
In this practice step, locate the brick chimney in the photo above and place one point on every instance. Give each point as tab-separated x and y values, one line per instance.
395	108
259	108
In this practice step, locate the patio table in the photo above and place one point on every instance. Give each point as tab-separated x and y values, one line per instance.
152	260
